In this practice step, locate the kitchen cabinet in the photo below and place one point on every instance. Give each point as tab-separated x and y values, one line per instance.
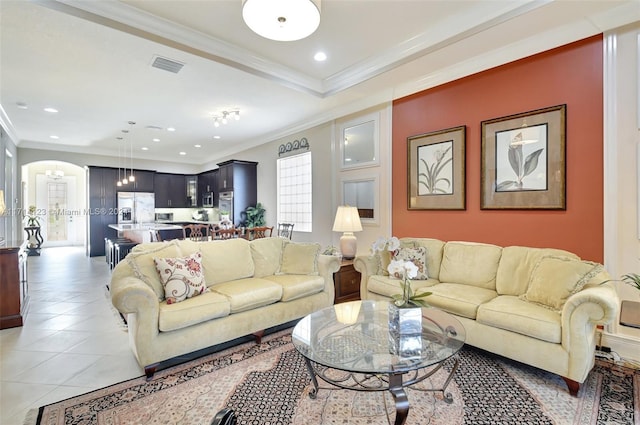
208	188
191	184
239	177
171	190
144	181
103	207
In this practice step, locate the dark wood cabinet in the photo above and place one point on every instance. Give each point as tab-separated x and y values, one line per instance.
208	189
239	177
346	282
14	293
144	181
103	206
171	191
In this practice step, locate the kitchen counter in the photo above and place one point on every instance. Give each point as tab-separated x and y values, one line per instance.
141	232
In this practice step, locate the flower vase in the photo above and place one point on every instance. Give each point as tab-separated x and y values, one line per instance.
405	320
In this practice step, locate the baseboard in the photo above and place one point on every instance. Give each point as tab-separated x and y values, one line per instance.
627	347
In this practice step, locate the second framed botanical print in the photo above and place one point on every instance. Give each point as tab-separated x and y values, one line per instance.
436	170
523	160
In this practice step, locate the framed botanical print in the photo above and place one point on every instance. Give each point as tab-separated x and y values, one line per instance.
436	170
523	160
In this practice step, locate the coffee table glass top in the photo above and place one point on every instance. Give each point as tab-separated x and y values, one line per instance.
355	337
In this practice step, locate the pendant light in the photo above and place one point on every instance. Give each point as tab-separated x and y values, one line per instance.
124	157
119	182
132	178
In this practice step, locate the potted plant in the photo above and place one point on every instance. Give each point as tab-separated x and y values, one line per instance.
405	311
254	216
32	219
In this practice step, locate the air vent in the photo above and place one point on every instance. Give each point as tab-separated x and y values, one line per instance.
167	64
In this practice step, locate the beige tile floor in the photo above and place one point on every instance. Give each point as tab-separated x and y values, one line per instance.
71	342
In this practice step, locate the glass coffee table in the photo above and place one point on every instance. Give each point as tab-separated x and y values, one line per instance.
349	345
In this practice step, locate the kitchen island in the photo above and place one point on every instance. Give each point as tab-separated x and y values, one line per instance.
141	232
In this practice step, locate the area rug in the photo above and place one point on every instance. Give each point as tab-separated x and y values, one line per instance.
268	384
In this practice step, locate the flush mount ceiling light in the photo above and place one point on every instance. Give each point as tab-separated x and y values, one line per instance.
282	20
225	117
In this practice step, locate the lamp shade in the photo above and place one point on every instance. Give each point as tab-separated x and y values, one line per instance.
282	20
3	206
347	220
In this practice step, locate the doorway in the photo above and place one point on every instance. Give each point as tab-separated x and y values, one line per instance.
58	191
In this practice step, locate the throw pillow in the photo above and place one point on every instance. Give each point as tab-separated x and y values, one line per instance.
417	256
384	257
554	279
300	258
182	278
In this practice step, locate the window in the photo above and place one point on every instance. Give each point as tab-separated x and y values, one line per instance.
294	191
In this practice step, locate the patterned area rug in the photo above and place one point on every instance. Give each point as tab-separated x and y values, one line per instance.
268	384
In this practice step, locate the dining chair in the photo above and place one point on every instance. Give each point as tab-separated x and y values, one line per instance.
285	230
260	232
225	233
196	232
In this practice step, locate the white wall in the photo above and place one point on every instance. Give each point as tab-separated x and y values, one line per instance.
622	145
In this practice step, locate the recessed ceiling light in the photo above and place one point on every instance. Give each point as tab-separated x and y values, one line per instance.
183	153
216	137
53	136
22	105
171	129
197	146
156	139
320	56
144	148
52	110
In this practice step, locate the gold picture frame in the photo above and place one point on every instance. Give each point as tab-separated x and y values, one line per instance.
523	160
436	170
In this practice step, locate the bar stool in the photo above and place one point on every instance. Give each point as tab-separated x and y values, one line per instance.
110	250
122	249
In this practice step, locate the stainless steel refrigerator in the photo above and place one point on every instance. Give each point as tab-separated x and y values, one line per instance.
136	207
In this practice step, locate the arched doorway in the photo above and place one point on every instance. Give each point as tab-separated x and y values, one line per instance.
58	192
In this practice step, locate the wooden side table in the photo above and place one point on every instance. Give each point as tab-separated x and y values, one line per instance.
347	283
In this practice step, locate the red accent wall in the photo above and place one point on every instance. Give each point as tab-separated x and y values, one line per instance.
570	75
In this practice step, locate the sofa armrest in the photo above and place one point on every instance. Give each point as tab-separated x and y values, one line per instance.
367	265
594	305
131	295
327	266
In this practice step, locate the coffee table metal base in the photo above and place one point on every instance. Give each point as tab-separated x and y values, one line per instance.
395	383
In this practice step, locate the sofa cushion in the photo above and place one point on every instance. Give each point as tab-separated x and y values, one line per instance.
469	263
296	286
389	286
144	268
247	294
226	260
516	266
513	314
417	256
460	299
192	311
266	253
299	258
555	279
434	253
181	277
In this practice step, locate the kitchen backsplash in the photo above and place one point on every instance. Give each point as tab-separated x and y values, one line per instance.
186	214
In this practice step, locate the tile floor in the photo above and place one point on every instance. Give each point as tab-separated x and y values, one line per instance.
71	342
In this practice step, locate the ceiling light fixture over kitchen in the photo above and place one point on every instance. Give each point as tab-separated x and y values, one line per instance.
224	118
282	20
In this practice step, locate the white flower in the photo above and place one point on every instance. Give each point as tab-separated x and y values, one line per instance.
393	244
379	244
402	269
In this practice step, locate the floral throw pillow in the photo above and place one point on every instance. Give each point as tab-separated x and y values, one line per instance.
417	256
182	278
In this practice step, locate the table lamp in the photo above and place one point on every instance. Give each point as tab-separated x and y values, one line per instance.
347	221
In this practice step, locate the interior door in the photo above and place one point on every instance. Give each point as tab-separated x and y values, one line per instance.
58	210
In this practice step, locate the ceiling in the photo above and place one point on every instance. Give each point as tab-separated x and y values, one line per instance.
91	60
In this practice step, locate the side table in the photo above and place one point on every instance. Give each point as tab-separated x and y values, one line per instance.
346	282
630	314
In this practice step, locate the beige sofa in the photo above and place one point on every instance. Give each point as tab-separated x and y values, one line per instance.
527	304
251	286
